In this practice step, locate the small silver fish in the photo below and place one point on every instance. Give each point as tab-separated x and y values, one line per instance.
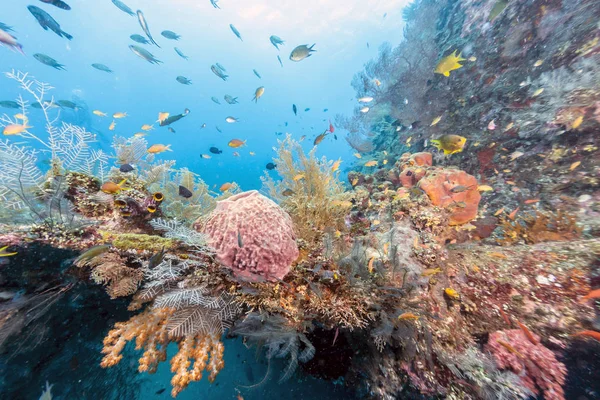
301	52
145	28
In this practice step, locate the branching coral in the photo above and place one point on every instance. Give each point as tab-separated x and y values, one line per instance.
177	206
309	190
185	311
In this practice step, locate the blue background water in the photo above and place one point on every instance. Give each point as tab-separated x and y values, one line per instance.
101	33
341	31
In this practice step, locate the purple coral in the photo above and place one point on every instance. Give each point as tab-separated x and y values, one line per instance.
253	236
536	365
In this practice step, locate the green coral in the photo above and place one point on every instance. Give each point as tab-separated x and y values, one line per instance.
139	241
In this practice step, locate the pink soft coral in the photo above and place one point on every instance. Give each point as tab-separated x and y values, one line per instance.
262	228
535	364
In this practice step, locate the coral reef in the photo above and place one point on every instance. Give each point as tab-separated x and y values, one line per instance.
253	236
309	190
537	367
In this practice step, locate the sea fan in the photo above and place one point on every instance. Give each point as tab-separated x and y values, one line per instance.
131	151
176	230
19	175
213	319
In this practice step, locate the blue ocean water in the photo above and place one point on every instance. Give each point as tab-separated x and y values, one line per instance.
346	34
101	32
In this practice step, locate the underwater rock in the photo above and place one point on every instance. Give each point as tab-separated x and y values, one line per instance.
454	189
252	235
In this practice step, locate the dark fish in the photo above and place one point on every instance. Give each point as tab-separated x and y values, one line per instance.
257	74
121	6
240	243
335	136
67	104
160	391
126	168
47	22
9	104
278	133
415	125
325	109
49	61
181	54
6	28
320	138
174	118
215	150
306	109
145	54
218	72
276	41
287	192
170	35
203	126
230	100
218	129
57	3
236	32
295	109
280	63
183	80
139	39
102	67
185	192
286	124
214	99
271	166
171	130
144	26
214	3
156	258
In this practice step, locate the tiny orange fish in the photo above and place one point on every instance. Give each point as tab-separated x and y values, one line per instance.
235	143
226	186
588	333
370	265
528	333
112	126
531	201
511	349
371	163
498	255
112	188
594	294
159	148
408	316
505	317
513	214
500	211
336	165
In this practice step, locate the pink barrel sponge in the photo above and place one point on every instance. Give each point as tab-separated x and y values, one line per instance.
262	228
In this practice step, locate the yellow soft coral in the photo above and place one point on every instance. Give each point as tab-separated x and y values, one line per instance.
314	201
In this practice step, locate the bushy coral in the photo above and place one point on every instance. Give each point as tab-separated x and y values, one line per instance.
252	235
309	190
537	366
